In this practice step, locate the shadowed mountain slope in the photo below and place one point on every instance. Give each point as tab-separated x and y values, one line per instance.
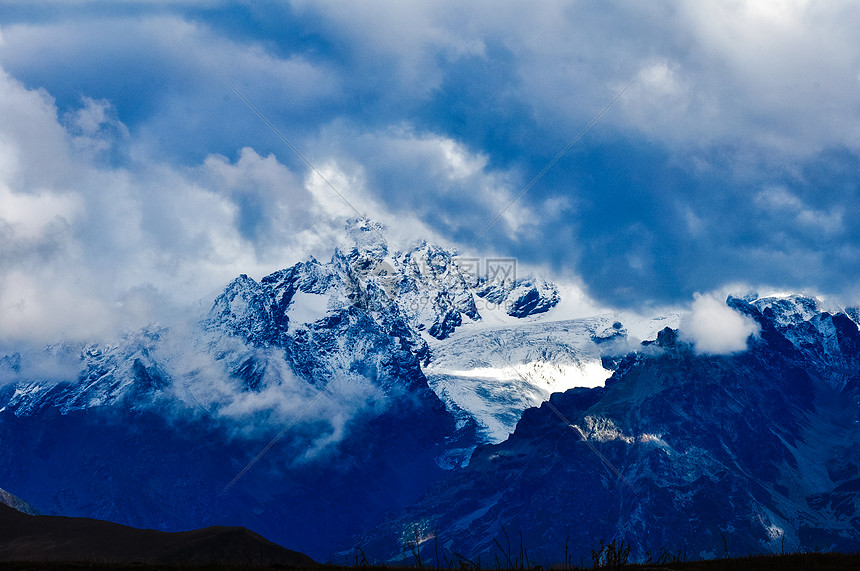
752	452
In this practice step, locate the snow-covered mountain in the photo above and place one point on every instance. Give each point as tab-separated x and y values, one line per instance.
492	372
308	404
333	354
489	345
750	452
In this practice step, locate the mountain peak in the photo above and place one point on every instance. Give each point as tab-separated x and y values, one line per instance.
788	310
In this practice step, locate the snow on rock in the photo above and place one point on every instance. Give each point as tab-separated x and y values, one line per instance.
495	372
520	297
787	310
490	346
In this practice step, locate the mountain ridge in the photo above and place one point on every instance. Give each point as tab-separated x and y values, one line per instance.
402	382
17	503
752	449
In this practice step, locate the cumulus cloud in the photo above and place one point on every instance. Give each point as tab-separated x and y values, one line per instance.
97	241
432	183
779	75
90	248
715	328
707	72
167	76
413	36
96	131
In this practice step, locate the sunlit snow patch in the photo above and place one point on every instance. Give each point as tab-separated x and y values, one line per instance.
497	396
494	370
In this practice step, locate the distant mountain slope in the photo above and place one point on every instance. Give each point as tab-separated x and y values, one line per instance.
309	404
52	538
750	452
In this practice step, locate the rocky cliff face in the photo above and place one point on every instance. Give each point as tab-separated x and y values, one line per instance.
744	453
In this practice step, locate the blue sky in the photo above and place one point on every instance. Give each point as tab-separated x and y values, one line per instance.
133	178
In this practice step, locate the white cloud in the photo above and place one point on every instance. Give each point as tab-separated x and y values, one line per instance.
95	129
83	242
170	75
412	35
716	329
91	248
775	72
405	177
27	215
778	75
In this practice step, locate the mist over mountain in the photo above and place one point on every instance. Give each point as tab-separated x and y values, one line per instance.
547	330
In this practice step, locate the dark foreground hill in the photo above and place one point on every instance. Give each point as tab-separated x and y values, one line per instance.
26	537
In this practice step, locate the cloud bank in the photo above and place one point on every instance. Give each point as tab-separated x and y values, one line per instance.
132	177
89	247
94	244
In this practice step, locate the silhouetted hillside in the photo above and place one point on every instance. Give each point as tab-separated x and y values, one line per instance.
52	538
